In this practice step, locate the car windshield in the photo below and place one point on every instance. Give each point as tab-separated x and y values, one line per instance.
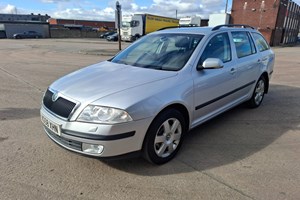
160	51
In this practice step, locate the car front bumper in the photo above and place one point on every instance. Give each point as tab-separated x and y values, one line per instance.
127	38
116	140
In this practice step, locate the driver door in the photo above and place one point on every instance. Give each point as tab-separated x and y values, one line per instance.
213	88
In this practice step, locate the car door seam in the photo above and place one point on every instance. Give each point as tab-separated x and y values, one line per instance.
223	96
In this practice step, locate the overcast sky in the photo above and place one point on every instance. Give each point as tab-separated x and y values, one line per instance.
104	9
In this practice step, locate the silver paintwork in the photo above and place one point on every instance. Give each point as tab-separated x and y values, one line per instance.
212	63
144	93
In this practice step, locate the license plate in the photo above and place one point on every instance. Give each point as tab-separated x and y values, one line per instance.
55	128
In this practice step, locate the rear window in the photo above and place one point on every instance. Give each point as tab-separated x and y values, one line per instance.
243	43
260	42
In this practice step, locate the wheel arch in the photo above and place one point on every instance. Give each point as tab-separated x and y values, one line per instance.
147	140
177	106
182	109
265	75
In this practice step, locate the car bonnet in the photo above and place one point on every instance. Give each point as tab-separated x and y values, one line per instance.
103	79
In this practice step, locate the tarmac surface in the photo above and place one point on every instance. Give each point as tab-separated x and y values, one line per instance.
242	154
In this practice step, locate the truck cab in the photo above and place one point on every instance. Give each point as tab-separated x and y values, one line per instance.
132	27
190	21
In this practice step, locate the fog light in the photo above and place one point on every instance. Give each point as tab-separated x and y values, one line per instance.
92	148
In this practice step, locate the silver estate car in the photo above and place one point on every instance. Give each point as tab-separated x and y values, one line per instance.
147	97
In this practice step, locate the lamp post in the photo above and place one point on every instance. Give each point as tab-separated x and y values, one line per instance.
118	22
226	6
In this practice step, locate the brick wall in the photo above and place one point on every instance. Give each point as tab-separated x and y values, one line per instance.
94	24
65	33
267	16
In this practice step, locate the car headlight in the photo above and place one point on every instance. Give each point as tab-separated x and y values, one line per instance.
101	114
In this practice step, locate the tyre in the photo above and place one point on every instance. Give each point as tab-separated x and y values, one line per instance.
136	37
164	137
258	93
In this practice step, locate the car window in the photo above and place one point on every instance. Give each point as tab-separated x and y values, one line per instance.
253	49
260	42
243	43
217	47
160	51
135	23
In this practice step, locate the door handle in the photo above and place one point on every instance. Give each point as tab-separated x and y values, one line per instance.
232	70
262	60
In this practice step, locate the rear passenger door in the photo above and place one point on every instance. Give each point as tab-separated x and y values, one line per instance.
247	63
266	54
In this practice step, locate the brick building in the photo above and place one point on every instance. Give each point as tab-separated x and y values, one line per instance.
277	20
85	23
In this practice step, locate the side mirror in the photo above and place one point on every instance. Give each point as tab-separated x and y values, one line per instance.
211	63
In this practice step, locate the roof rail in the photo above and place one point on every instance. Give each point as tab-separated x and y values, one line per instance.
189	26
232	25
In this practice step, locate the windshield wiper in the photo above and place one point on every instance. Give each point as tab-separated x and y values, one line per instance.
152	67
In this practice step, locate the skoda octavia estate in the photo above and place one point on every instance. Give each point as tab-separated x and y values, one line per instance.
147	97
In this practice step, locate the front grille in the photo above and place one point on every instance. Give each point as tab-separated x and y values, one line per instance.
65	142
61	106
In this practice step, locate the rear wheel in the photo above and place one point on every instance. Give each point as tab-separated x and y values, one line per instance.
164	137
258	93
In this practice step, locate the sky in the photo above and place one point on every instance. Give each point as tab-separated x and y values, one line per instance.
105	9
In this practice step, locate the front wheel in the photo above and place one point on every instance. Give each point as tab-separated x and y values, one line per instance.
258	94
164	137
136	37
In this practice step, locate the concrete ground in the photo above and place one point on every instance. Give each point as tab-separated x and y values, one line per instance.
243	154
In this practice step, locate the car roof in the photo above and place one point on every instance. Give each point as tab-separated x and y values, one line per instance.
188	30
205	30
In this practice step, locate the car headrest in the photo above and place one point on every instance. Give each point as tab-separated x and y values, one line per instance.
184	42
